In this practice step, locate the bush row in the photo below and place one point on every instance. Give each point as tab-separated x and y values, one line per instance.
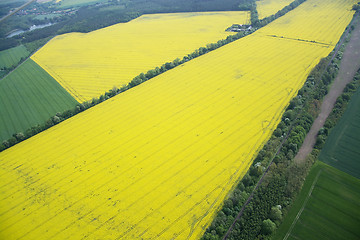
338	110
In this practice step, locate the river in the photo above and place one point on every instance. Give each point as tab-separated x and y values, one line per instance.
33	27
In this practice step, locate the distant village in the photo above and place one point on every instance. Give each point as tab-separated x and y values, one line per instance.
35	11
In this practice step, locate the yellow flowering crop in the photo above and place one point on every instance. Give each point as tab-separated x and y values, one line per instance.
325	26
267	8
157	161
90	64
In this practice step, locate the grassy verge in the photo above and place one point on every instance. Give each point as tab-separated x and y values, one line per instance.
341	149
327	207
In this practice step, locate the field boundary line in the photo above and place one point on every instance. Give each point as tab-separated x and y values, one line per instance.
303	206
300	40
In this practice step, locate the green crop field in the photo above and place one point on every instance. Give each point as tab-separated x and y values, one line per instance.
77	3
29	96
12	56
328	207
342	147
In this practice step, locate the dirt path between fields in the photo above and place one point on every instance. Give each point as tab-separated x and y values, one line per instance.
350	63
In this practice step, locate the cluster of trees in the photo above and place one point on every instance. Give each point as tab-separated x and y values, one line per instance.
5	7
6	43
247	5
24	20
356	7
272	196
91	18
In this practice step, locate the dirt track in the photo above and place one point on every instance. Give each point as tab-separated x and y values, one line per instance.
349	65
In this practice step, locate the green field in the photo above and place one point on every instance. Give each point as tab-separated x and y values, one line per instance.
328	207
77	3
29	96
11	57
342	147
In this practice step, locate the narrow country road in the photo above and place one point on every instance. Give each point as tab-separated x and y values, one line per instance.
350	63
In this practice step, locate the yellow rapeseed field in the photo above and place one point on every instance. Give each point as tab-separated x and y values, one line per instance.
157	161
87	65
315	15
267	8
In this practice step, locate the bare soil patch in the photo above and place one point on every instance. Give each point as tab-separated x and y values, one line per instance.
350	63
